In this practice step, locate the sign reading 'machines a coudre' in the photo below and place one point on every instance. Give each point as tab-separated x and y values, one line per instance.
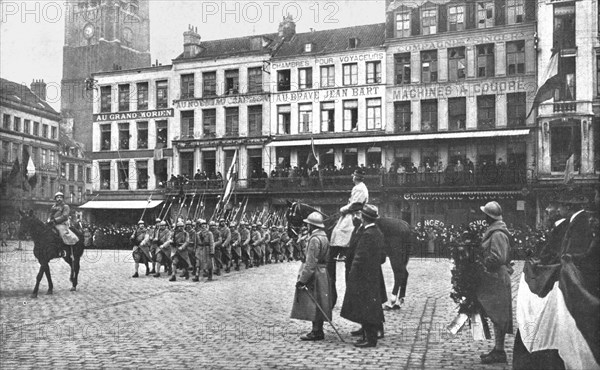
126	116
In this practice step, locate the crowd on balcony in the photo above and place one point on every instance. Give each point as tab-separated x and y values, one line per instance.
428	173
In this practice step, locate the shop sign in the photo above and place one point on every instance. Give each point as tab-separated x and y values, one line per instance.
473	196
432	223
477	223
475	88
126	116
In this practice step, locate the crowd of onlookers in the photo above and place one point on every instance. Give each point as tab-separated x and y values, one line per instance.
438	241
459	172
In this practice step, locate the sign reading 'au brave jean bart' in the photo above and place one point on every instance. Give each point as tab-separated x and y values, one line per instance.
126	116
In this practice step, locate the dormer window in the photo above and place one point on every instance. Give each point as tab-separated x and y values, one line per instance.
308	48
353	43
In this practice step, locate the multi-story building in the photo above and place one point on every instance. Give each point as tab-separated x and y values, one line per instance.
75	178
568	121
132	131
31	125
461	80
100	36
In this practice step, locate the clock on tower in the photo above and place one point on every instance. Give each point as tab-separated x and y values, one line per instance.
98	36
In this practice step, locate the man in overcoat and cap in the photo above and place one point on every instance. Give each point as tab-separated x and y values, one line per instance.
59	218
313	279
362	301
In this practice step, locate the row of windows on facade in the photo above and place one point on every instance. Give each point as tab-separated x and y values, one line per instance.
432	19
14	123
231	85
123	175
486	118
457	63
47	186
484	153
125	137
43	158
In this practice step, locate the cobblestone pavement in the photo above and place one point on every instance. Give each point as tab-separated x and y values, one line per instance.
241	320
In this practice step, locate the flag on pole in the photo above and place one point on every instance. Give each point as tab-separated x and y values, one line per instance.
29	168
558	319
231	167
552	81
312	160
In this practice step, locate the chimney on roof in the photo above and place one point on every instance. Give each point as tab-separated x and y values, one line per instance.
287	28
191	42
38	87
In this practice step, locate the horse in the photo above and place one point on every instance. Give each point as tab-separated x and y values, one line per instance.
398	240
45	245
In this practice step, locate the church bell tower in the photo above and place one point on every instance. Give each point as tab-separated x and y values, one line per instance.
100	36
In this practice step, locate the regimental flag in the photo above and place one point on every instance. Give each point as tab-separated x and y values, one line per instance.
552	81
229	173
312	160
558	318
29	169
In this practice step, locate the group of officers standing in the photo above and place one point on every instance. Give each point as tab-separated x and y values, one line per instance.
206	247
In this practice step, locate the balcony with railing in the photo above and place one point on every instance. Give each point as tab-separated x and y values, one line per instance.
450	180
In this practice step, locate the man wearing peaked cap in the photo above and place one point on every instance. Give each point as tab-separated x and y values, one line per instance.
362	301
59	219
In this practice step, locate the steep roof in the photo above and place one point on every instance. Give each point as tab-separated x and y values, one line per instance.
247	45
333	41
21	94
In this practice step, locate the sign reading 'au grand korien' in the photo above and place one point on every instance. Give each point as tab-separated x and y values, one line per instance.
126	116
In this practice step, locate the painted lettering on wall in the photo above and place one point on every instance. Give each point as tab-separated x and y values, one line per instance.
329	60
473	40
134	115
436	91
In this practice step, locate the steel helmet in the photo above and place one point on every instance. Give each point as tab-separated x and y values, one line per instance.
212	223
140	222
233	224
493	210
157	220
201	221
315	219
58	194
163	223
179	223
188	222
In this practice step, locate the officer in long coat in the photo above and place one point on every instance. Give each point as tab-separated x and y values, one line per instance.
494	288
256	238
191	247
153	244
141	252
179	251
265	244
212	227
313	279
286	244
362	301
225	234
163	250
275	244
205	250
236	245
245	240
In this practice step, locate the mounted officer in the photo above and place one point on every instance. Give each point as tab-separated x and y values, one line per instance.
59	218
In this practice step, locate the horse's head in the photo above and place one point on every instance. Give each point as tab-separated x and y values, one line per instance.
28	222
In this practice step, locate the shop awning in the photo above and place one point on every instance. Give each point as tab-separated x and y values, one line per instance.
120	204
404	137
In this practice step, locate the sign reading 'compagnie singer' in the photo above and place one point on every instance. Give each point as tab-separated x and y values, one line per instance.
159	113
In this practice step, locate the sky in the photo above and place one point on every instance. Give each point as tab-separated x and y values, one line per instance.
32	32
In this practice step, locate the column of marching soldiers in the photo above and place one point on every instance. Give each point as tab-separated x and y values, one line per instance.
205	248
